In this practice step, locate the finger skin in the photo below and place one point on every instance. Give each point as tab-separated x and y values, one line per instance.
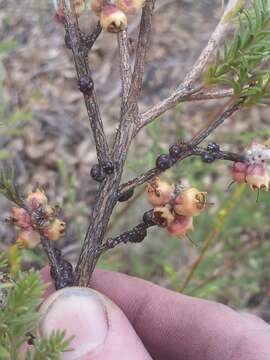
177	327
101	330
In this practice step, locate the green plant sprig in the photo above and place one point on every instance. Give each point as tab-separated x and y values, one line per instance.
8	186
244	63
19	316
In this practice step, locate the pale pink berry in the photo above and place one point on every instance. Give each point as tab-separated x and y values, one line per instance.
190	202
163	216
28	238
257	177
36	199
20	217
55	230
112	19
159	192
239	172
180	226
130	7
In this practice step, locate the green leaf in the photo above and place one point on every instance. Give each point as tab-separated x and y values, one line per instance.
242	63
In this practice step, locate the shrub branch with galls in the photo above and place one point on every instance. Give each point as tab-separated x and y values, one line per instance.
107	196
175	206
38	222
176	213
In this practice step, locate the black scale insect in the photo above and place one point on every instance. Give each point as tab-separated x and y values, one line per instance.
86	85
213	147
136	235
163	162
99	171
208	158
126	195
107	166
175	151
148	218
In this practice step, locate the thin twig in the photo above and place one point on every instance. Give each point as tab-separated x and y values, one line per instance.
134	235
125	70
142	47
150	174
198	94
218	155
213	42
186	88
80	57
90	39
50	252
188	150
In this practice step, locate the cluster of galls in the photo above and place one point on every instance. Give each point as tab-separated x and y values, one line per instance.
113	14
209	155
165	161
37	218
100	170
174	206
253	171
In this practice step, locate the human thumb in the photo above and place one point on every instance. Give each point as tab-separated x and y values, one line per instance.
100	328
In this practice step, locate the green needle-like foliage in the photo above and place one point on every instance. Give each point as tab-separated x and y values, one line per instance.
51	348
243	64
7	184
19	316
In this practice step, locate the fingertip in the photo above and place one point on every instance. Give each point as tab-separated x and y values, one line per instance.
99	327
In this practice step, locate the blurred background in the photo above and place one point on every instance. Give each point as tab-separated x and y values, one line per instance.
44	130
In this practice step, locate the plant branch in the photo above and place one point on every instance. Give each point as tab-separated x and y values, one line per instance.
135	235
230	11
107	196
125	70
142	47
189	149
198	94
187	152
80	57
90	39
185	89
50	252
